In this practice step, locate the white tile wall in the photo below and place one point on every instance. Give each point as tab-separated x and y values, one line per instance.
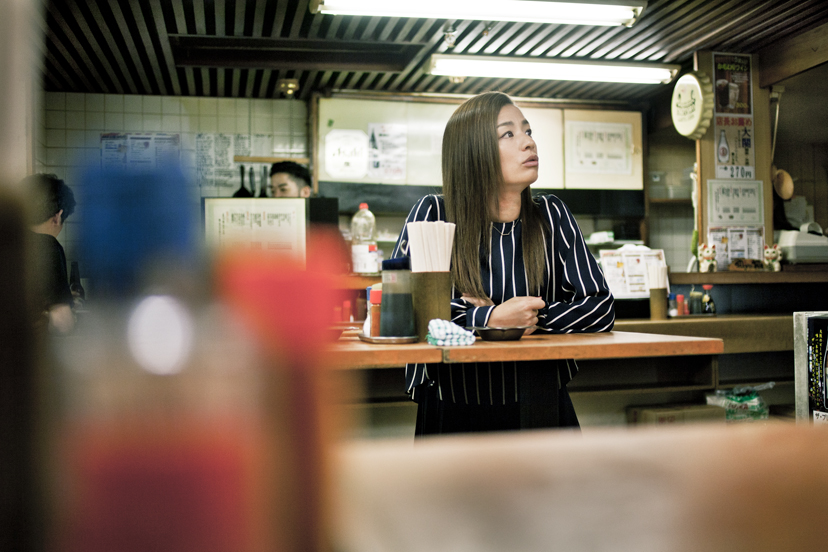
671	225
69	127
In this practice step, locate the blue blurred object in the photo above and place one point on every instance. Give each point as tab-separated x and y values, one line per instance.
133	221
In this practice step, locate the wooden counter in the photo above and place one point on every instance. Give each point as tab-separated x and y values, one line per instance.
350	352
740	333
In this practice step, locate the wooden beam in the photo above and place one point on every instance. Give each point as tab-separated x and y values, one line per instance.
792	56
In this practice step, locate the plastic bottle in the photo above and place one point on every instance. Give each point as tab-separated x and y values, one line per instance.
708	305
672	308
680	305
363	241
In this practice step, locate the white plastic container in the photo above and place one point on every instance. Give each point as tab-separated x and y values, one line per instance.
363	241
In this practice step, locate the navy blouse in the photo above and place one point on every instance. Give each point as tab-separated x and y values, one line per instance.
577	298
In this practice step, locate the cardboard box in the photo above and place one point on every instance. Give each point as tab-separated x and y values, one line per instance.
674	414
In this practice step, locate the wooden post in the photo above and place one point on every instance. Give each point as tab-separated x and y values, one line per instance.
706	147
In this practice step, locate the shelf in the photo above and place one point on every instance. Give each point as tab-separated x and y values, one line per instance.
784	277
359	281
677	200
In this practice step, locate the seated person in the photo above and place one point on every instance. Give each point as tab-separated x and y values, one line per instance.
289	179
49	202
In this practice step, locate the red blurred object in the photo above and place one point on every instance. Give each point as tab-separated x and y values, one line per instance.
286	307
183	488
347	315
283	303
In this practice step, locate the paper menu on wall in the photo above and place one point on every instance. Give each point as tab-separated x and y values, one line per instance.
736	242
735	203
605	148
274	225
626	270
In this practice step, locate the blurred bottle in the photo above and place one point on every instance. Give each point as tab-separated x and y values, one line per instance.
708	305
363	241
75	286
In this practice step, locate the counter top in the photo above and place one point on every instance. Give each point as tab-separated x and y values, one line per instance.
740	333
349	352
735	277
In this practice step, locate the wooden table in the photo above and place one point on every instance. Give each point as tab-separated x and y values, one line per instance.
353	353
609	362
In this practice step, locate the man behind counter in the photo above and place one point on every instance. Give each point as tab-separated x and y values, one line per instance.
50	202
289	179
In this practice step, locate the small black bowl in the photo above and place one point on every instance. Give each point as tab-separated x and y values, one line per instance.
500	334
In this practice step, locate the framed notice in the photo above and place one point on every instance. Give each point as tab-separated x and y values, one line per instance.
272	225
605	148
735	203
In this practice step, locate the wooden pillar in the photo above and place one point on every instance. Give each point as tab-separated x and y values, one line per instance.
18	36
706	147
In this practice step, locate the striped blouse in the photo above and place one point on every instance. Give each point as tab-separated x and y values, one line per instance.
577	298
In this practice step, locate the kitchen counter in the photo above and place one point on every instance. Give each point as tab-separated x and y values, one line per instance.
740	333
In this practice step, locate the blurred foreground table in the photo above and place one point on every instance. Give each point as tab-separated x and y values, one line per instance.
754	487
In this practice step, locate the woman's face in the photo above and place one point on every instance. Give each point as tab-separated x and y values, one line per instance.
518	154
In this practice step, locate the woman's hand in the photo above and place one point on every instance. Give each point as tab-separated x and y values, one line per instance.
517	311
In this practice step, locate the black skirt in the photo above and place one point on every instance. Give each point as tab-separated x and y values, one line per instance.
541	403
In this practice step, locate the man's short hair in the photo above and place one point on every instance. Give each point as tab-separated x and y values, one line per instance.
299	173
46	195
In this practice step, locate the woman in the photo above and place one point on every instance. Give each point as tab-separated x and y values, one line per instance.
517	261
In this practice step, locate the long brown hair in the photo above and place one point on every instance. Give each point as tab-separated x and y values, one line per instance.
472	176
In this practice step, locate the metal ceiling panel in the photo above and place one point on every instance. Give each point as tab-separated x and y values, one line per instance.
134	47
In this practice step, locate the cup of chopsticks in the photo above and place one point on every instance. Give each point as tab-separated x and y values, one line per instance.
429	245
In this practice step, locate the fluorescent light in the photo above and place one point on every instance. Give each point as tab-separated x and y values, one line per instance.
551	69
586	12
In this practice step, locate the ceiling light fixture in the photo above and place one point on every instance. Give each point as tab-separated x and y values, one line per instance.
582	12
550	69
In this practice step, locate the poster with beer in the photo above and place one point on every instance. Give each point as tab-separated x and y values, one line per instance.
732	84
733	123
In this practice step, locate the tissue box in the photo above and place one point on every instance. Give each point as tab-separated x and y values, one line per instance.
674	414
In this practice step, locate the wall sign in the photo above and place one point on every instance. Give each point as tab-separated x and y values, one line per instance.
735	203
604	148
734	135
691	107
346	153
